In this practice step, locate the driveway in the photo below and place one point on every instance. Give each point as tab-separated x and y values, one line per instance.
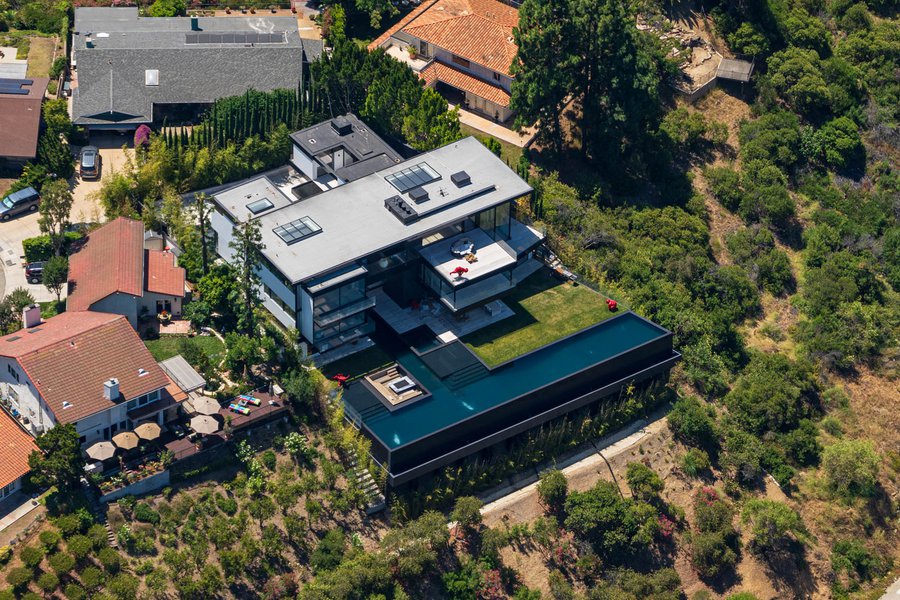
85	209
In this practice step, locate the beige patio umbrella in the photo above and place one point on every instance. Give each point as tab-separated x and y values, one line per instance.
204	424
205	406
101	451
126	440
148	431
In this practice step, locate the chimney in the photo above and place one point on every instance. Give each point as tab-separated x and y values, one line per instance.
195	24
111	389
31	316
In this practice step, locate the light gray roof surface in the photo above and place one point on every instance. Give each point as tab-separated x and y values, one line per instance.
111	74
182	373
355	222
235	199
737	70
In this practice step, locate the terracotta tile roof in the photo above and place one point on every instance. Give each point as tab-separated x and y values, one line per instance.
15	447
68	358
162	276
478	30
111	260
20	120
463	81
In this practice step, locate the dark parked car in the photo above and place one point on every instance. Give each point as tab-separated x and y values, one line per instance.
26	200
90	162
34	272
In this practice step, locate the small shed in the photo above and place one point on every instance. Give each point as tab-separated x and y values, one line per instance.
182	373
735	70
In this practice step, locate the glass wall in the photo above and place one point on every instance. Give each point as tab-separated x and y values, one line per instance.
335	299
495	221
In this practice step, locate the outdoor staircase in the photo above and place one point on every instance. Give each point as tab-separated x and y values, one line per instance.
465	376
99	511
376	500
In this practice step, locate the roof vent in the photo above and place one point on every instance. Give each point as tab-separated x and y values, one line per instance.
312	140
67	404
418	195
460	179
400	209
88	42
195	24
142	372
342	126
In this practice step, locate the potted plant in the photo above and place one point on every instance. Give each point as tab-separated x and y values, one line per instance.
413	53
164	317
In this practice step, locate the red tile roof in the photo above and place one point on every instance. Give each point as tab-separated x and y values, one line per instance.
15	448
463	81
478	30
162	276
68	358
20	120
111	260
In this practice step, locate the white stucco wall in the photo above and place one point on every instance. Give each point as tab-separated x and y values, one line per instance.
29	402
224	229
149	300
305	316
304	162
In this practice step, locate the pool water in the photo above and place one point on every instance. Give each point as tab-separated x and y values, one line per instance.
546	365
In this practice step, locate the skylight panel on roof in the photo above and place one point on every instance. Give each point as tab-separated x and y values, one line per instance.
151	77
413	177
297	230
260	205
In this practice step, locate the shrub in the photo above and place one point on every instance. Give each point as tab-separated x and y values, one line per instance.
5	554
467	512
62	562
80	546
725	185
711	554
110	560
269	459
832	426
68	525
145	514
74	591
19	577
41	248
643	481
49	539
695	461
98	535
227	505
329	552
775	524
92	578
124	586
48	582
31	556
552	490
691	422
853	558
851	467
7	594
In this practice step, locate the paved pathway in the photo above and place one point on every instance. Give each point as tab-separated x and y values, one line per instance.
520	504
495	129
893	592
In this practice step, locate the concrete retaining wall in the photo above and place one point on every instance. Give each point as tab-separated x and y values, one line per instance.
144	486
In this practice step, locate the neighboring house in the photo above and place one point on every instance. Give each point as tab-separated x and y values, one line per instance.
86	368
20	118
332	243
114	273
133	70
16	445
463	48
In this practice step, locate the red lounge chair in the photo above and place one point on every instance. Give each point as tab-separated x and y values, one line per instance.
341	379
612	305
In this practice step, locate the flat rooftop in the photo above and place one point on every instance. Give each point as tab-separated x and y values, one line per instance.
350	222
251	197
447	406
491	257
369	152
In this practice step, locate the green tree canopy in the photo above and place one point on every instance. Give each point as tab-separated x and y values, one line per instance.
59	461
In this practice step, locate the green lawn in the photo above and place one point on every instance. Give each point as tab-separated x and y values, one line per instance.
358	364
546	310
167	346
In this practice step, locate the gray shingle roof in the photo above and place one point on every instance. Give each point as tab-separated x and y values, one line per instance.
111	73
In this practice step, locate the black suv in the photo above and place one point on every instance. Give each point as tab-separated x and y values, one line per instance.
26	200
34	272
89	163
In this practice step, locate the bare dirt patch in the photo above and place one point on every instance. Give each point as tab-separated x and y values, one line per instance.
40	56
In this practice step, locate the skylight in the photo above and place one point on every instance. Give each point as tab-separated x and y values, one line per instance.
297	230
151	77
260	205
413	177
